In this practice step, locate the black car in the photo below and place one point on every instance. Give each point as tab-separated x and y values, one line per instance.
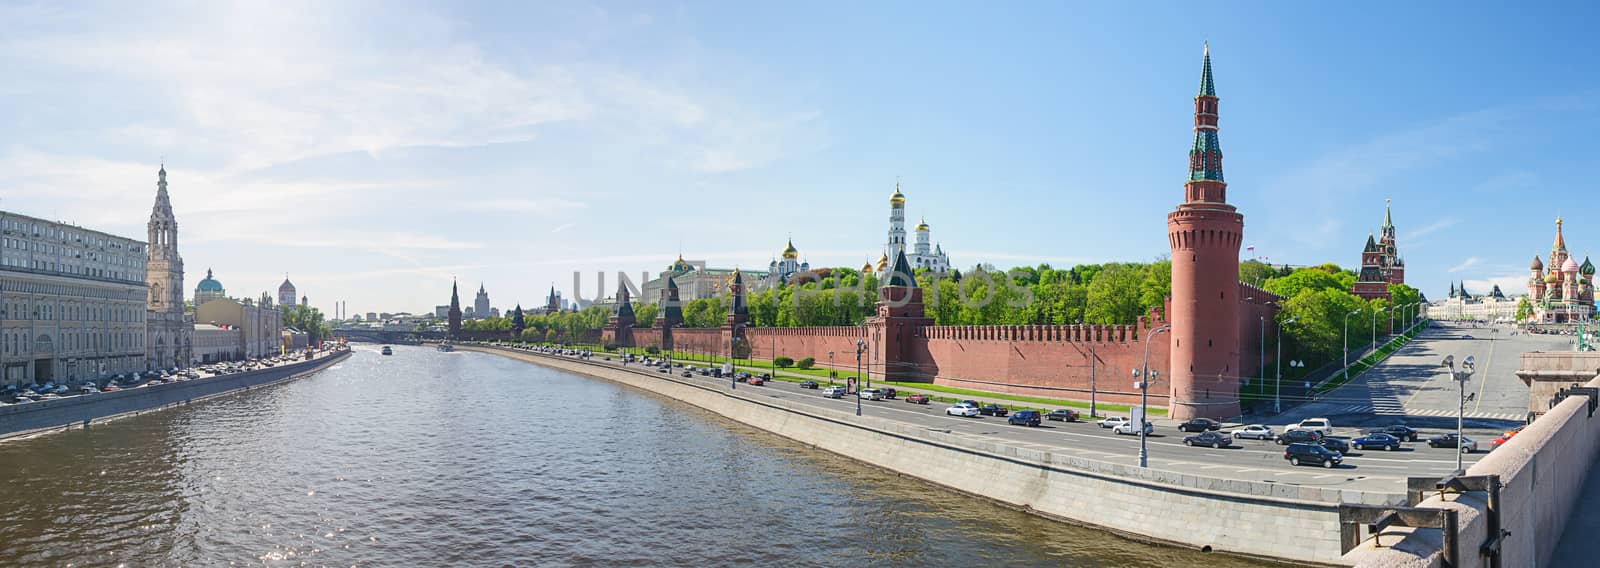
992	410
1312	454
1208	438
889	394
972	403
664	369
1379	440
1400	431
716	373
1336	444
1024	418
809	385
1299	437
1199	425
1450	441
1062	415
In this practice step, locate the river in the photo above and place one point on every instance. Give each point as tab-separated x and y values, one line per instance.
465	459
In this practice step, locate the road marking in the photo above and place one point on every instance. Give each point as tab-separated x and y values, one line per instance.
1483	382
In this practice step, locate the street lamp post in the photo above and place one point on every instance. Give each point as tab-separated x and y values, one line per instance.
1091	380
1262	367
1347	344
1143	385
1460	377
861	345
831	369
1277	388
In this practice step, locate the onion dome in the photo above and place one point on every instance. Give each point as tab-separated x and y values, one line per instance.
1551	278
680	265
1537	264
1569	266
883	262
866	267
1588	267
898	198
209	284
790	252
923	226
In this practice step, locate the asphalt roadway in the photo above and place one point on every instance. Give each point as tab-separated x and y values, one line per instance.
1413	388
1382	471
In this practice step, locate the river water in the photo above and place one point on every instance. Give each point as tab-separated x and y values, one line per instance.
463	459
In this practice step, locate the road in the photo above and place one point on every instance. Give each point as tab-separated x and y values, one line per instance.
1412	388
1248	460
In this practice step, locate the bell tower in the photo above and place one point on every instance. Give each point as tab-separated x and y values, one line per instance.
1205	233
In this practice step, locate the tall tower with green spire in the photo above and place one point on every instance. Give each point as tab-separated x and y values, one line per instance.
1205	233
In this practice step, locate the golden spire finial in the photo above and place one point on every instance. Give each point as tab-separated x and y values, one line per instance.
1207	48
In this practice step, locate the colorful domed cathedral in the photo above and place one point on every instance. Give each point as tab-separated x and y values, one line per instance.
1381	264
1564	293
782	269
924	255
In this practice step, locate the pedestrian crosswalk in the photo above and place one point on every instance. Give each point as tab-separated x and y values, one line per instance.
1396	410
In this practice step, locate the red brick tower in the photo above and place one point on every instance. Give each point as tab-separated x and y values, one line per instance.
1205	233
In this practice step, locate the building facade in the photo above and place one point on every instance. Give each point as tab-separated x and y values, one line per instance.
1381	264
1565	292
215	343
1463	306
286	292
696	281
72	302
259	326
783	269
169	341
480	303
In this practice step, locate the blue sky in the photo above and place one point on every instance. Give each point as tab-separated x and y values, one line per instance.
373	151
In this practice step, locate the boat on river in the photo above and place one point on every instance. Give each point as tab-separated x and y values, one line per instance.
445	347
387	350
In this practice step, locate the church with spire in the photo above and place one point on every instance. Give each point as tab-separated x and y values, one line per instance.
169	331
1561	291
1381	264
924	253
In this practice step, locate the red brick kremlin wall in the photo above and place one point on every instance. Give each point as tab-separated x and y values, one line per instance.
1044	360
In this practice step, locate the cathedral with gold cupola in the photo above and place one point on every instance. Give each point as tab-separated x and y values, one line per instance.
1561	291
783	268
924	253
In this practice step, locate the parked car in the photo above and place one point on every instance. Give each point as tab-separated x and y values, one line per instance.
1062	415
756	381
111	388
809	385
1199	425
974	403
1112	421
1129	429
833	392
1208	438
918	399
1298	437
1312	454
664	369
1253	431
993	410
889	393
1024	418
1335	444
1319	425
1400	431
871	394
1450	441
687	374
962	409
1378	440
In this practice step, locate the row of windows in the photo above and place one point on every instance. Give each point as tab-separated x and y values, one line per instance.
66	235
17	343
47	311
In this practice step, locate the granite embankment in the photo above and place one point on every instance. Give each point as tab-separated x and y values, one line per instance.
1269	520
85	411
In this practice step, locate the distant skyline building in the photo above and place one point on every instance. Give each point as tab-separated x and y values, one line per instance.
697	281
169	331
480	304
1381	264
1565	292
784	268
1462	305
925	254
286	292
208	289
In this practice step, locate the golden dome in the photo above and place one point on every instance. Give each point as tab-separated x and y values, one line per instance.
1551	278
790	251
883	262
865	268
898	198
923	226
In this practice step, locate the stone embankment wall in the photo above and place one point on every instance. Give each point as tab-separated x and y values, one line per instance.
1289	522
1542	471
82	411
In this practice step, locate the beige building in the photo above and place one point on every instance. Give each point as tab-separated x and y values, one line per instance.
72	302
214	343
295	340
260	328
169	332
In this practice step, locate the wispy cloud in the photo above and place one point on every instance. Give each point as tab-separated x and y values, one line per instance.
1466	264
1510	284
1430	228
563	227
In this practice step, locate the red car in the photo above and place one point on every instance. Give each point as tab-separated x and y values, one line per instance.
917	399
1506	437
111	388
757	381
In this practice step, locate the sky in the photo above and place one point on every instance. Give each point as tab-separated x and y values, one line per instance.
374	151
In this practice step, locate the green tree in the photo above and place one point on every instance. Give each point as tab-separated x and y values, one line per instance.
1524	309
1115	295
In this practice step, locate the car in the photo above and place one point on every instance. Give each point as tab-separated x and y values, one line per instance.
1450	441
1400	431
1024	418
88	389
1506	437
741	376
111	388
664	369
1335	444
1208	438
1254	431
1112	421
833	392
1062	415
974	403
889	393
1312	454
1378	440
993	410
962	409
1199	425
809	385
1129	429
871	394
1298	436
1319	425
687	374
756	381
918	399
